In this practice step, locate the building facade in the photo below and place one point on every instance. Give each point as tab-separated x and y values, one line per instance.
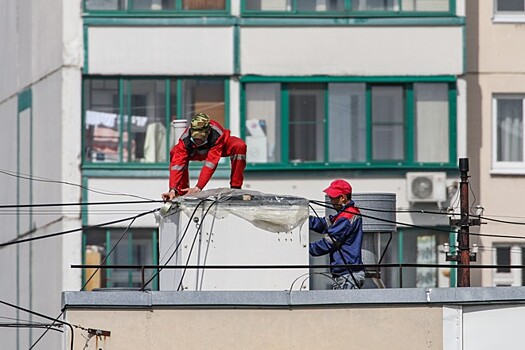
495	78
370	91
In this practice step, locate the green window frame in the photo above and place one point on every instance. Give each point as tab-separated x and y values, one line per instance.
157	7
114	148
96	243
346	8
278	138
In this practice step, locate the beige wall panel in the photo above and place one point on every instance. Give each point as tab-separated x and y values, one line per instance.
352	51
160	50
501	195
500	46
364	328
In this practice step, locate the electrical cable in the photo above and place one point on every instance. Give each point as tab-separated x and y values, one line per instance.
43	179
194	240
85	284
44	316
40	205
177	246
18	241
109	254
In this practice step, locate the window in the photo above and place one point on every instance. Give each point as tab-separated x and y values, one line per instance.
510	6
339	124
128	120
137	247
509	255
509	11
185	6
417	246
508	133
348	7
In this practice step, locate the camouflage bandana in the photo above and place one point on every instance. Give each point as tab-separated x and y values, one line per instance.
200	126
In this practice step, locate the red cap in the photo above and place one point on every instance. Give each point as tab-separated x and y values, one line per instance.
337	188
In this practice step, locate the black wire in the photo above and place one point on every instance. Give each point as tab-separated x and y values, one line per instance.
194	240
502	221
323	204
30	325
176	247
40	205
43	316
108	254
18	241
33	178
85	284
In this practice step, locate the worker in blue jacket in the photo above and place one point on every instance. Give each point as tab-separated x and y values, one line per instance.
343	237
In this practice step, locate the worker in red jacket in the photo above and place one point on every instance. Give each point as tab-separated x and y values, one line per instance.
205	140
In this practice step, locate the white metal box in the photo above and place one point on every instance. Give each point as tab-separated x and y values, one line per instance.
239	228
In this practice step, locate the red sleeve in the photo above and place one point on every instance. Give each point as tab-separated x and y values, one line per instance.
179	161
212	160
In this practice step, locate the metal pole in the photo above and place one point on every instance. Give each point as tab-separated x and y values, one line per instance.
463	237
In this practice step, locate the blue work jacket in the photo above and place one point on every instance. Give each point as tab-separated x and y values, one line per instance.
343	241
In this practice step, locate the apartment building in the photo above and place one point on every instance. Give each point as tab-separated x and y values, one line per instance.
372	91
495	78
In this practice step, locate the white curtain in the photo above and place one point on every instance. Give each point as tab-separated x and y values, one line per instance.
432	139
425	5
510	130
347	123
263	122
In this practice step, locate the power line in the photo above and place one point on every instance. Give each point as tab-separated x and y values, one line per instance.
43	179
40	205
44	316
18	241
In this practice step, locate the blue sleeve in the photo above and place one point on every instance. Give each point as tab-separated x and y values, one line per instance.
321	247
317	224
338	233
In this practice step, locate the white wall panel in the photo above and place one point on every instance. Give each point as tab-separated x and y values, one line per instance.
352	51
8	163
9	49
493	327
160	50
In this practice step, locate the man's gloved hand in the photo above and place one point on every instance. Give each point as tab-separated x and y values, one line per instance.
192	190
169	196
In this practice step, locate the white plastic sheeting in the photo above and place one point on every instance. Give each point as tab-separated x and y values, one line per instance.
270	212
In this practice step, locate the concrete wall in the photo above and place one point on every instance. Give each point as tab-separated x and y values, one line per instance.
276	50
352	51
413	318
40	66
321	328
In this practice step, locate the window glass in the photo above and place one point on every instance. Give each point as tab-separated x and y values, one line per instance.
101	121
509	124
135	248
503	258
263	123
510	6
375	5
203	96
388	139
431	123
106	5
204	4
154	5
347	123
426	5
268	5
145	121
306	122
321	5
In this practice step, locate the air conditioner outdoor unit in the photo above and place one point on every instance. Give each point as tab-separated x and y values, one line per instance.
426	187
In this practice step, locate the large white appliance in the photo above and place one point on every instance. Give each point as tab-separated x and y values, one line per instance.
234	228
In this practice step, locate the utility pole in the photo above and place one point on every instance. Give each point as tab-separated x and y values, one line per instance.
464	256
463	238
